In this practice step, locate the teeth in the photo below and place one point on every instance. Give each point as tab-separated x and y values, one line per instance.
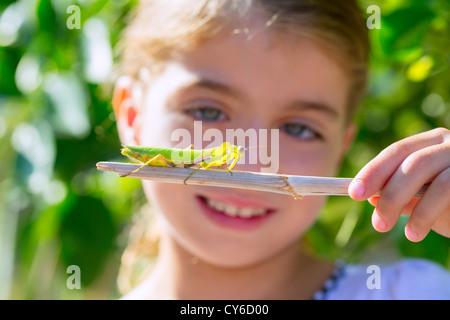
233	211
247	212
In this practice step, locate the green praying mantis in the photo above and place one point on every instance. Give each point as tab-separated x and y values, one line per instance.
171	157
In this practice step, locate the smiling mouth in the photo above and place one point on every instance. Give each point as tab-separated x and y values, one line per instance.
234	211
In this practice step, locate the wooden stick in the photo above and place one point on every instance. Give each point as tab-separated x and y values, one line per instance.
296	186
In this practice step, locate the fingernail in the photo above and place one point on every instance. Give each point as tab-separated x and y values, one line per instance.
357	188
378	223
411	234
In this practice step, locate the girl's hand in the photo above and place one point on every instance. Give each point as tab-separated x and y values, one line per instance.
401	170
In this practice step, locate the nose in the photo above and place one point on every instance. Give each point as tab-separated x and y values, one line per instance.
260	142
250	160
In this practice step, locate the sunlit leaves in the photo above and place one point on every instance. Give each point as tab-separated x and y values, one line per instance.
420	69
55	124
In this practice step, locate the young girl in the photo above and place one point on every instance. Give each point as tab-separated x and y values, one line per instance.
299	67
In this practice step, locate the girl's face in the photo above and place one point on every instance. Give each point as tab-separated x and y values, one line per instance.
233	82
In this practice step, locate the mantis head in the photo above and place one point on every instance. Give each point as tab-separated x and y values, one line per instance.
127	151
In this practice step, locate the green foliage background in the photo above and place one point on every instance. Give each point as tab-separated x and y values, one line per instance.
56	122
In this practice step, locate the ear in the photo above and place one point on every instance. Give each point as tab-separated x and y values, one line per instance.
348	139
126	111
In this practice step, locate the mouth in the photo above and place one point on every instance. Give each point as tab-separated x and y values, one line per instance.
233	213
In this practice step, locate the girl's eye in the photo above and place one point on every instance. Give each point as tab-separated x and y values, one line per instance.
300	131
206	114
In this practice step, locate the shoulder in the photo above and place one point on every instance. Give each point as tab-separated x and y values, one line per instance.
406	280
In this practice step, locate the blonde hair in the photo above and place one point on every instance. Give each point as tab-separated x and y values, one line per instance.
162	28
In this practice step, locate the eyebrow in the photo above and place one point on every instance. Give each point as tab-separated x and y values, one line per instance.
215	86
298	105
305	105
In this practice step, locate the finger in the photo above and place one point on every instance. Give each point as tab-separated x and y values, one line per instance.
406	211
431	209
374	175
379	223
373	200
416	170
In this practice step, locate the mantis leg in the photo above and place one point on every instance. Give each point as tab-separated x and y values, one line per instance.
235	159
157	160
216	160
203	165
191	175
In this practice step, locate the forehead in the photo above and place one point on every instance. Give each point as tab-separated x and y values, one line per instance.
264	65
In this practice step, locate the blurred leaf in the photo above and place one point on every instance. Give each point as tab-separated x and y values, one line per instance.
419	70
28	76
11	21
403	30
87	235
47	18
97	51
69	99
9	60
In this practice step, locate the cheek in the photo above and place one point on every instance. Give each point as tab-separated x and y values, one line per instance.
161	197
302	214
156	124
314	161
156	133
175	205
